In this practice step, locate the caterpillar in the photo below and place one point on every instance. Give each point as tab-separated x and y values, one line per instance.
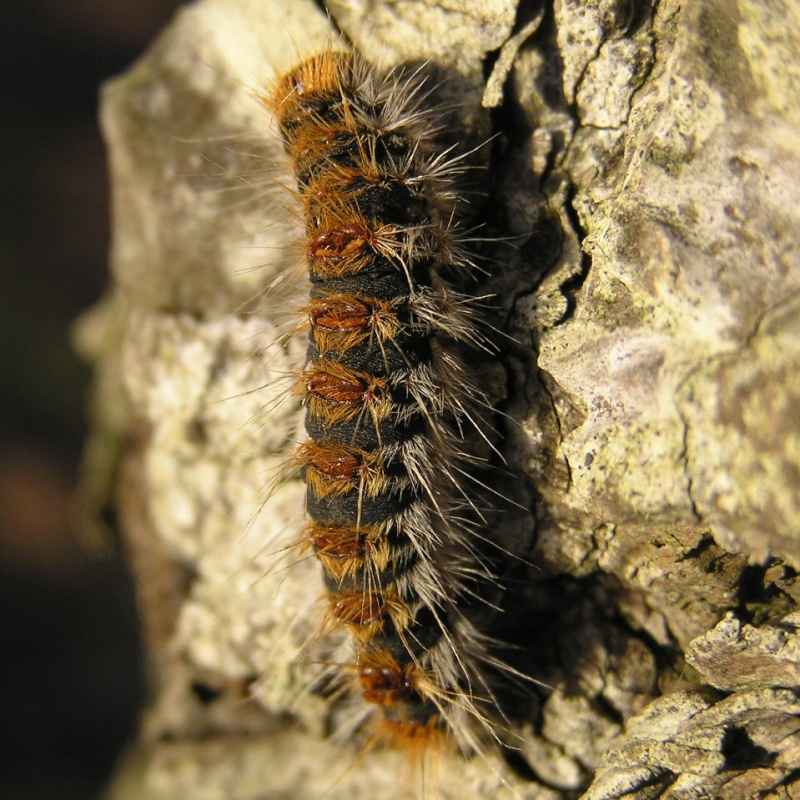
391	407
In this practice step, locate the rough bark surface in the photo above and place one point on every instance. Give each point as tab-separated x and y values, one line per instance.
645	209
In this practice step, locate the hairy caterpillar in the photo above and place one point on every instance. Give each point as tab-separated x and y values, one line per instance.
390	403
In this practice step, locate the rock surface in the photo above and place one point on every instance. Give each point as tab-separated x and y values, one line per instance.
644	225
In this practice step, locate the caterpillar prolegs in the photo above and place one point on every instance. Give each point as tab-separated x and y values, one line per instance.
390	402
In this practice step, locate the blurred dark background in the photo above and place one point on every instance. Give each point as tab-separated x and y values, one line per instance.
70	667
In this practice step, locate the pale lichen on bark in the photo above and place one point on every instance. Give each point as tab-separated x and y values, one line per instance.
645	206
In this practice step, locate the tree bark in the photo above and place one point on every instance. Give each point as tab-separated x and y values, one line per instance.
643	225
